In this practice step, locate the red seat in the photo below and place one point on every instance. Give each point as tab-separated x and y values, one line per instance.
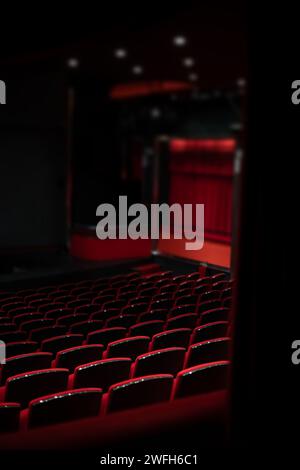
13	336
8	327
140	300
201	289
19	319
40	334
220	285
135	309
65	298
115	304
209	331
20	311
62	407
34	324
161	361
127	347
159	304
149	328
73	357
139	392
214	315
12	305
226	293
106	335
203	378
87	309
212	295
187	299
105	314
9	417
58	313
51	306
36	304
181	310
124	321
25	362
101	374
76	303
208	305
168	289
46	289
207	351
72	318
20	347
101	299
179	337
58	343
160	314
85	327
188	320
4	319
25	387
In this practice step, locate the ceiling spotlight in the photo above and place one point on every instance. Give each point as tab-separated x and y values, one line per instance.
120	53
137	70
73	63
155	113
188	62
179	41
193	77
241	82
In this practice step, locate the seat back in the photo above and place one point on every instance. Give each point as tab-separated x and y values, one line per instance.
25	387
86	327
102	374
203	378
24	363
20	347
40	334
106	335
207	351
179	337
214	315
139	392
128	347
148	328
188	320
209	331
64	406
161	361
58	343
73	357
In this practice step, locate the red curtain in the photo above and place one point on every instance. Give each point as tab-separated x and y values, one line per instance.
201	171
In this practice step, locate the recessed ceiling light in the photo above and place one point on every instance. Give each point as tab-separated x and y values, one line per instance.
241	82
155	113
193	77
137	69
120	53
188	62
179	41
73	63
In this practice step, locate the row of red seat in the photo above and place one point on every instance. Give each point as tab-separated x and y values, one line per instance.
100	332
136	348
62	406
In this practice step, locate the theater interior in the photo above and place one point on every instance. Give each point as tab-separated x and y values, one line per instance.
122	343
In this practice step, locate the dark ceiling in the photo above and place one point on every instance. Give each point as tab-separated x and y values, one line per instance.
215	34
